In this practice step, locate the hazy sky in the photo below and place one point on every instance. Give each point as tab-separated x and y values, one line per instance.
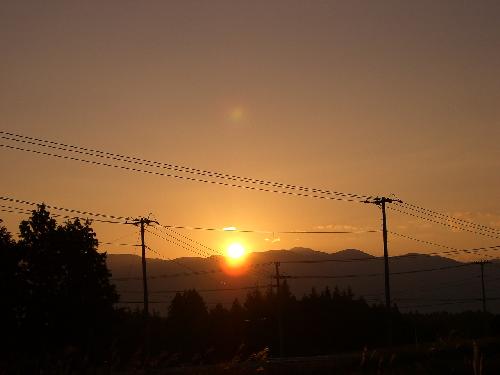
371	97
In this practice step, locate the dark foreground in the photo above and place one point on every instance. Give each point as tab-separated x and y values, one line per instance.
452	357
458	357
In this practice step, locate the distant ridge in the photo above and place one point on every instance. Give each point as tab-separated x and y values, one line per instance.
365	278
351	254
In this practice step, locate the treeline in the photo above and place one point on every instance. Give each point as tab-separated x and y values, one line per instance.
318	323
58	302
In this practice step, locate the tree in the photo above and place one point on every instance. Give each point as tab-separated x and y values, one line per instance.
187	320
68	297
11	288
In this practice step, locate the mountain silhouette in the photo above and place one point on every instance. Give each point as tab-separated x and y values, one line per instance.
448	285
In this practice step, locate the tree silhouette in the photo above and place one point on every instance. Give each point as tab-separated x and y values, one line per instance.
187	321
66	297
11	290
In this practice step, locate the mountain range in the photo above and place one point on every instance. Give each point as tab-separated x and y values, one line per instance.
418	282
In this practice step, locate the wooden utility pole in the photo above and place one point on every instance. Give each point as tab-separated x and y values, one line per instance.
382	202
278	276
482	286
279	309
483	289
386	257
483	298
144	269
142	222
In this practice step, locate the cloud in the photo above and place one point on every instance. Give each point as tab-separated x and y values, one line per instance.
342	228
272	240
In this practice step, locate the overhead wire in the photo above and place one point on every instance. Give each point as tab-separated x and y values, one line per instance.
381	258
232	229
168	302
70	210
181	243
433	305
448	217
12	209
379	274
95	215
210	250
213	290
187	178
208	254
178	168
453	250
23	211
19	210
192	272
441	223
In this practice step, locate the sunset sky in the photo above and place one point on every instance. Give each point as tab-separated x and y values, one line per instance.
375	98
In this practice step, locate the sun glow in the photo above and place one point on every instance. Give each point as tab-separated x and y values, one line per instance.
235	263
235	251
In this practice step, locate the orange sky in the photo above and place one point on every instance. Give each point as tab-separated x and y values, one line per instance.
395	97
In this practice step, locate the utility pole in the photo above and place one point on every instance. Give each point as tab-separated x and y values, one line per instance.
483	289
386	257
278	276
280	311
483	295
142	222
382	202
144	270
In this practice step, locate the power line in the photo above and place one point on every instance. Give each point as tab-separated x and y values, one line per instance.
19	201
435	286
453	250
379	274
182	274
182	244
193	179
172	275
128	218
233	229
350	260
203	290
373	258
192	248
175	261
451	218
183	169
441	223
471	299
119	244
212	251
433	269
23	211
168	302
433	305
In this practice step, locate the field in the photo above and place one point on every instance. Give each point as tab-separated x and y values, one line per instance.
452	357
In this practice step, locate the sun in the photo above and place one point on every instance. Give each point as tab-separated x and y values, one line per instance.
235	251
235	262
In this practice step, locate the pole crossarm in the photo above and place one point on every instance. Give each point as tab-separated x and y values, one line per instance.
380	200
